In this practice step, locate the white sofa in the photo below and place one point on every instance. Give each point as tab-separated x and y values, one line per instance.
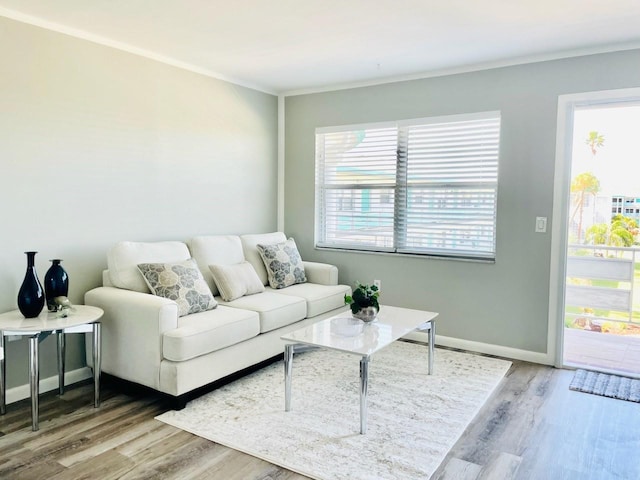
145	341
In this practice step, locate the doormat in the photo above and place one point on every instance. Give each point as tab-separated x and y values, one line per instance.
614	386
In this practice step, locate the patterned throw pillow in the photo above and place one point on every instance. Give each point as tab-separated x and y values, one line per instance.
181	282
283	263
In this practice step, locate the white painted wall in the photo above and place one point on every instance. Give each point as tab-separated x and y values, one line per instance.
502	307
98	145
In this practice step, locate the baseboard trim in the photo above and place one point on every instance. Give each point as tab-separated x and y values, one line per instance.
487	348
21	392
15	394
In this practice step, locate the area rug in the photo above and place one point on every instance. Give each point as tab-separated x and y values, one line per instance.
413	418
614	386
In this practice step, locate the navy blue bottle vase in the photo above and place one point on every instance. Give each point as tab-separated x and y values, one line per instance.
56	284
31	295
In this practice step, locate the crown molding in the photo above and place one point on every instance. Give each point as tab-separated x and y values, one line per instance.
107	42
578	52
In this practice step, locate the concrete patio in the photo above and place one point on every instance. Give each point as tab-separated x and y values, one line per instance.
606	351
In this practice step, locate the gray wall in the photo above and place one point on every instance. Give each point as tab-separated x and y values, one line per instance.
98	146
505	303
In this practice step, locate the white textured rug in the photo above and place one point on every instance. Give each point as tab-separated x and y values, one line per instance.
414	419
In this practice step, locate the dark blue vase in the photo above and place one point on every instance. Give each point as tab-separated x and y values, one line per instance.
56	284
31	296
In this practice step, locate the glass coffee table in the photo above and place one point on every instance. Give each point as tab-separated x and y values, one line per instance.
344	334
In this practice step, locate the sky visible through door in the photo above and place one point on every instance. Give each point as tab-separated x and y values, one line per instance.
617	163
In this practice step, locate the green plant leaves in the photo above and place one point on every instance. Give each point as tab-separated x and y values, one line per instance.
363	296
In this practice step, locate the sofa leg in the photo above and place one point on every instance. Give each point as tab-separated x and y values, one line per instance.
180	402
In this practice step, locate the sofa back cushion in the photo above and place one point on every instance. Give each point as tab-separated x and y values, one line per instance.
250	247
215	250
124	257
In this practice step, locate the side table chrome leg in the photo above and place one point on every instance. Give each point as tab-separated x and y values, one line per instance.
364	386
34	380
432	345
97	362
3	377
288	364
61	360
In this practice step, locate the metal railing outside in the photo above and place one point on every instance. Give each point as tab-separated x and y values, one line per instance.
602	265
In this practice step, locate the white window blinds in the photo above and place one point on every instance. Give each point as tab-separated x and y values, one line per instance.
425	186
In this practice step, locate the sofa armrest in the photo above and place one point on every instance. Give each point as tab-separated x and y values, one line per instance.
321	273
132	328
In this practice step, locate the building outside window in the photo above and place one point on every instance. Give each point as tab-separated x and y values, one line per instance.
627	206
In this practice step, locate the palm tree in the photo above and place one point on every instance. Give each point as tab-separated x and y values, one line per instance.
619	233
584	183
598	234
629	225
611	234
595	141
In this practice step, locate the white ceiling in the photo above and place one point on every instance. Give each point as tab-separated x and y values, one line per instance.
283	46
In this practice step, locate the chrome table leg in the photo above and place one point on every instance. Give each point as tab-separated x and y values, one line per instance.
432	344
61	360
431	326
3	377
97	362
34	380
364	385
288	363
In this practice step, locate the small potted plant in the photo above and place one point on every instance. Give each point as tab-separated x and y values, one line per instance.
364	302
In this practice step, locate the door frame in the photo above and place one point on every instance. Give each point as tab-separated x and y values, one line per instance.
561	200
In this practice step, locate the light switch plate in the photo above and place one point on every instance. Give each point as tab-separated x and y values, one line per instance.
541	224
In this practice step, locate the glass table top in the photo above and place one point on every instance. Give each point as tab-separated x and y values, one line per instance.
347	334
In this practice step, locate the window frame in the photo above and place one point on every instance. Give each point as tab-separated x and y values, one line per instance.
402	185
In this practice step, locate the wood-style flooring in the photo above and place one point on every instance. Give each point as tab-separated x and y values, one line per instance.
533	427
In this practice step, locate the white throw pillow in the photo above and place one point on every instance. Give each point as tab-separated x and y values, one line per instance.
235	281
181	282
284	264
215	250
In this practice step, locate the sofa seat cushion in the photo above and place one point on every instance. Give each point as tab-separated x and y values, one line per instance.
319	298
201	333
275	310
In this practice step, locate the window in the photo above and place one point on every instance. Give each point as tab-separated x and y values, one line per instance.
426	186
